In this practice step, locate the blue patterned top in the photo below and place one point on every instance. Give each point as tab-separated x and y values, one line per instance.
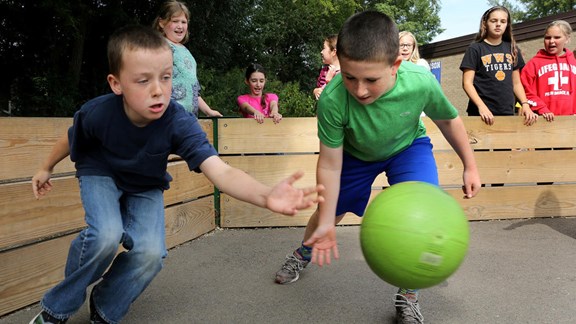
185	84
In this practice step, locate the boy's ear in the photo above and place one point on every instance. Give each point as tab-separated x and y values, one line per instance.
396	64
114	84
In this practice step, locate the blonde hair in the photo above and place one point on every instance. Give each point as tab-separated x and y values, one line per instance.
415	53
563	25
168	10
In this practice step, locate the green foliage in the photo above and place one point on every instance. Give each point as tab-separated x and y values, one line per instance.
534	9
295	103
221	90
42	96
52	66
420	17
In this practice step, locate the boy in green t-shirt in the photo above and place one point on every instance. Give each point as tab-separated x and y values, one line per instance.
368	123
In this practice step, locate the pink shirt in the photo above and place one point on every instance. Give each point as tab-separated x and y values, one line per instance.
255	102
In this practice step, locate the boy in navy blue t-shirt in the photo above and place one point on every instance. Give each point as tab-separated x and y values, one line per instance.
120	143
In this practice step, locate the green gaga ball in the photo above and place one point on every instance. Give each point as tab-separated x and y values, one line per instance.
414	235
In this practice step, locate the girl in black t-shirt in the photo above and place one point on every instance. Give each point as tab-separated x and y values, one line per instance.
491	70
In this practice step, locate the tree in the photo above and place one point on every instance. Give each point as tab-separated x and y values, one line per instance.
420	17
534	9
56	63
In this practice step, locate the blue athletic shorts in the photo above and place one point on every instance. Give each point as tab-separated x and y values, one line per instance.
416	163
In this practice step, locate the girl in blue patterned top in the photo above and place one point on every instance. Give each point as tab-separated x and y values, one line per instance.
172	22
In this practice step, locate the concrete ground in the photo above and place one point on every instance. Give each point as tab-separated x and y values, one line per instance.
516	271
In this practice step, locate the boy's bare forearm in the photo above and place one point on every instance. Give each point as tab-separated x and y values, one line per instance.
456	135
60	151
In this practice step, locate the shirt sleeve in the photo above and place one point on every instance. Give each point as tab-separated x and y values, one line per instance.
470	59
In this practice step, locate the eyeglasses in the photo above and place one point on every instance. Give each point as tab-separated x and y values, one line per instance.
406	45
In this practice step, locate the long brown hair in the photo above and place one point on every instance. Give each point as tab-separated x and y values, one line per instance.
255	67
508	36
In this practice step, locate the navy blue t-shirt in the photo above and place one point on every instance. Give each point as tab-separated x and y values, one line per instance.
104	142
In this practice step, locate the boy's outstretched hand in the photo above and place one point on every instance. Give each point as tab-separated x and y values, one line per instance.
286	199
41	183
323	242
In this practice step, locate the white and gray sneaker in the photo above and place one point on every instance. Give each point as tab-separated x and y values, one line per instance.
291	268
407	309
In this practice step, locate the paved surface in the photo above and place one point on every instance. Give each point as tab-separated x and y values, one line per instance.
520	271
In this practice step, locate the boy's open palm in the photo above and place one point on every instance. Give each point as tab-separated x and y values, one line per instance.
286	199
323	242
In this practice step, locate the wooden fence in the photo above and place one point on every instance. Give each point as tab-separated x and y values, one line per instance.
35	235
509	153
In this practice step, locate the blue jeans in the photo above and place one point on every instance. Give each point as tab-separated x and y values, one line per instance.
114	217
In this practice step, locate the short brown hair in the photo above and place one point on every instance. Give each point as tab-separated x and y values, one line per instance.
368	36
131	38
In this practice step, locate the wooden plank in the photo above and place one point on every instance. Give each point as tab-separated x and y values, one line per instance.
244	135
508	202
510	132
239	135
514	167
235	213
23	219
511	167
187	221
270	169
26	142
186	185
27	273
512	202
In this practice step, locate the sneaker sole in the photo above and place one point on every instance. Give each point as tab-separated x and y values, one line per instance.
287	282
34	319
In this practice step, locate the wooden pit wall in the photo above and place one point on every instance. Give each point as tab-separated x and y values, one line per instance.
35	234
507	152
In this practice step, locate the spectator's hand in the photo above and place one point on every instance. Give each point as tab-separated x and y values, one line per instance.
214	113
548	116
529	116
41	183
277	117
317	92
486	115
331	73
259	117
323	242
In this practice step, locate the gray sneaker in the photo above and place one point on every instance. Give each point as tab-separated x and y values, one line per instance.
407	310
291	268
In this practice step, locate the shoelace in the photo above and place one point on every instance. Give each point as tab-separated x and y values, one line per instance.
293	264
409	309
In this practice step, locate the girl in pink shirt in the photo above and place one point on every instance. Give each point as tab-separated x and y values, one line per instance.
257	104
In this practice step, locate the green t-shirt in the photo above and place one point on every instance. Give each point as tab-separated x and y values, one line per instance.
382	129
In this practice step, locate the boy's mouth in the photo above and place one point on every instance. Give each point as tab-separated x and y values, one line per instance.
157	108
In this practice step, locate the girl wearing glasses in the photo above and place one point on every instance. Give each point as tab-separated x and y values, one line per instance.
409	49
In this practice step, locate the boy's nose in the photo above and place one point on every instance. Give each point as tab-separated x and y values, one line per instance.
361	90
